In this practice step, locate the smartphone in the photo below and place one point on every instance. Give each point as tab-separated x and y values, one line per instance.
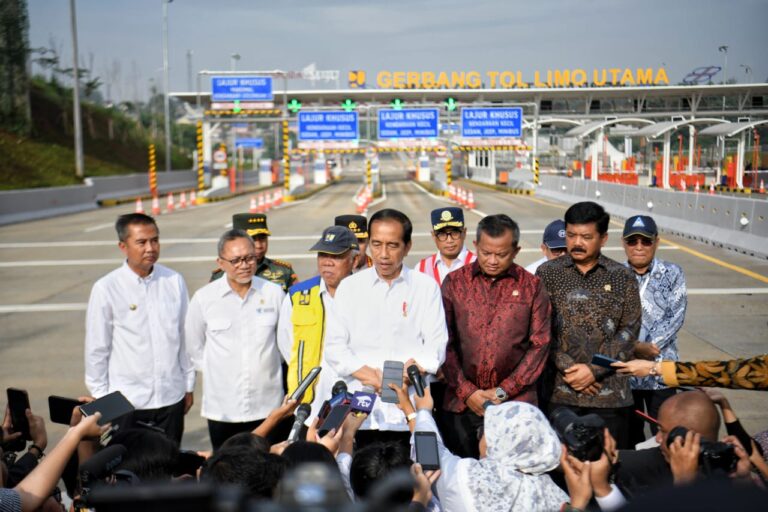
604	361
393	374
334	420
18	403
188	463
426	450
60	408
305	383
111	407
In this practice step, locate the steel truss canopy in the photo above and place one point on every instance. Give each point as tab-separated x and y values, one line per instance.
731	129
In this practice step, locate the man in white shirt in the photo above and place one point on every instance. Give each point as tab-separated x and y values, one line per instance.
552	245
388	312
231	339
134	332
448	233
303	318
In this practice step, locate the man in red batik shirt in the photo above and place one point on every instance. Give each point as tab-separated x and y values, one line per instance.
498	318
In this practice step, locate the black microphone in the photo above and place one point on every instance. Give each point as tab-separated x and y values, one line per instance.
302	413
101	464
339	394
415	375
339	388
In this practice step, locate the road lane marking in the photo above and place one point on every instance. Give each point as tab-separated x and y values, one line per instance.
98	227
82	306
211	259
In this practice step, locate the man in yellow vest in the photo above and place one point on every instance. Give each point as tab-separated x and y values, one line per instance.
357	224
303	315
449	233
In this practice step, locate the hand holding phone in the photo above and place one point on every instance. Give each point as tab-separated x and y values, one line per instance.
426	450
604	361
305	383
18	403
60	408
393	374
111	407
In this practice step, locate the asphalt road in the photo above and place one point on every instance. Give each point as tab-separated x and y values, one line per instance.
47	268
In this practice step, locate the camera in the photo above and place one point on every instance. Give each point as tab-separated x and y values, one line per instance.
714	457
582	435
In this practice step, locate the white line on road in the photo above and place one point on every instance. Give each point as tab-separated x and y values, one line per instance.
81	306
211	259
98	227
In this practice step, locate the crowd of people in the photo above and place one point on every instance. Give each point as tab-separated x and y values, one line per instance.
552	387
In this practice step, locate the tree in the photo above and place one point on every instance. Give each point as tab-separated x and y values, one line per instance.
15	111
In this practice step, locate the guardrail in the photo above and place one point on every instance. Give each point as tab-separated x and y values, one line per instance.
713	219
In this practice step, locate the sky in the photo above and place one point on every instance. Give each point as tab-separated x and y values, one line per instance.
123	39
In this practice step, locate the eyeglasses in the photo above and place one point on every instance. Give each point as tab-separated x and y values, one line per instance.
443	235
647	242
236	262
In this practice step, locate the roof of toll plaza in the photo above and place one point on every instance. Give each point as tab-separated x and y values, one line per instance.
564	103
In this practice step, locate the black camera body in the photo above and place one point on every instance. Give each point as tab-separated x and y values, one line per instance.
582	435
714	457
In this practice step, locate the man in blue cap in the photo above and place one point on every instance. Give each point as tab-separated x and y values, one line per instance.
664	298
553	244
449	233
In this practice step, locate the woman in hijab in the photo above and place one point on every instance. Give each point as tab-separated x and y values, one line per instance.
517	449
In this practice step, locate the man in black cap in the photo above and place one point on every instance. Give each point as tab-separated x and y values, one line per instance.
276	271
664	298
358	225
449	233
552	245
303	316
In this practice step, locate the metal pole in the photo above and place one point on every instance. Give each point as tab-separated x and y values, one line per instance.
167	100
79	163
189	70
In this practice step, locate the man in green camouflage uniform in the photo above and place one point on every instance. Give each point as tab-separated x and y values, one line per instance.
277	271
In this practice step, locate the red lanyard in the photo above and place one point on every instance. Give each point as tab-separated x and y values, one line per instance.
436	273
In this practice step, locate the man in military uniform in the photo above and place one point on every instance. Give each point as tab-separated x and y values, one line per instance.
277	271
359	226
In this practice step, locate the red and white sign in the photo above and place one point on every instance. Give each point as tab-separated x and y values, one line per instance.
219	156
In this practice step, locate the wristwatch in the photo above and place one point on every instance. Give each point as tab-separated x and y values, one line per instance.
501	394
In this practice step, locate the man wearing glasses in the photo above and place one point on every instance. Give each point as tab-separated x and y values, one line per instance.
664	299
448	232
231	338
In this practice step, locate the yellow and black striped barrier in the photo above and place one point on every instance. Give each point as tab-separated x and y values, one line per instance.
733	190
368	176
200	162
448	167
305	151
241	113
152	171
286	163
535	171
492	148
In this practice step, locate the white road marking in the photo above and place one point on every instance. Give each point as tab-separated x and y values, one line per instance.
81	306
98	227
211	259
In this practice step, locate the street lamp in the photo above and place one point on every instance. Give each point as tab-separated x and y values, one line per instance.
167	99
233	58
747	70
724	49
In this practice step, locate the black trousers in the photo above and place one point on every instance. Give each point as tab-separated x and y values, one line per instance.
169	419
460	432
220	431
616	419
647	401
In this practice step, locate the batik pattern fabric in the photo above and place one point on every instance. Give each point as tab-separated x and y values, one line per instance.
664	299
746	373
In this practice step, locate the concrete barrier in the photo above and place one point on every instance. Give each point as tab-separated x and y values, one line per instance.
715	220
39	203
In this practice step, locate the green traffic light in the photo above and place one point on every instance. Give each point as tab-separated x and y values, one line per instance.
348	105
294	105
397	104
236	108
450	104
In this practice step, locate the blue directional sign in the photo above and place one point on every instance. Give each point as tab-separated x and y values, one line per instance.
414	123
256	143
242	88
492	122
330	125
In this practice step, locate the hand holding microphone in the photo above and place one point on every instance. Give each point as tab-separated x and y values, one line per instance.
302	413
414	374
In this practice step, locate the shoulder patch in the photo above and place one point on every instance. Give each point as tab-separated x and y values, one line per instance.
283	263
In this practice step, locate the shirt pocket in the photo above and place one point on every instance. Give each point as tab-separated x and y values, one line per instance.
218	325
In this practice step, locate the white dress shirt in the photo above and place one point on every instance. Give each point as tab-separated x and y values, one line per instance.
373	321
531	267
328	377
435	264
232	341
134	337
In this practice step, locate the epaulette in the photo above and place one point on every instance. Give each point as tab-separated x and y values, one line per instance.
283	263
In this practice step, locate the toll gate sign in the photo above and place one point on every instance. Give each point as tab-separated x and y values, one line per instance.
331	125
414	123
492	122
241	88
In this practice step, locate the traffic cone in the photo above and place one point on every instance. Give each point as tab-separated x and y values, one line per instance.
183	200
260	207
169	206
253	208
155	205
696	187
463	197
712	188
139	206
192	198
275	199
683	186
471	200
360	204
762	186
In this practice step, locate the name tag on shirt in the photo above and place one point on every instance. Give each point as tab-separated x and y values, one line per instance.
265	310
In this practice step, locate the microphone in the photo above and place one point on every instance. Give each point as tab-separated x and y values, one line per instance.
415	376
101	464
363	401
302	413
339	394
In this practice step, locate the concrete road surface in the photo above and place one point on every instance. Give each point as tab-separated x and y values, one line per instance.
47	268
